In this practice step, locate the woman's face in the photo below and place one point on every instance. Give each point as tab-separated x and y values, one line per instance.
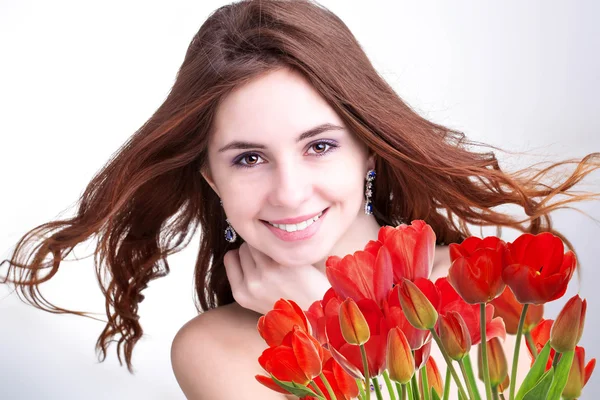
278	152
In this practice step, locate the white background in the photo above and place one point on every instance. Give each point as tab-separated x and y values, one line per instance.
77	78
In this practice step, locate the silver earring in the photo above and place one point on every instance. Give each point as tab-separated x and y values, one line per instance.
369	192
230	234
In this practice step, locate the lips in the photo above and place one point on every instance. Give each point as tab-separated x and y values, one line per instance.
295	220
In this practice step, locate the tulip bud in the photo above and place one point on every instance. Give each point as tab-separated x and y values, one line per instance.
399	358
496	362
434	378
454	335
568	326
353	323
416	306
578	375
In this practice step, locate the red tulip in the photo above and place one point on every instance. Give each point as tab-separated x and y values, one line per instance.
497	363
396	317
434	378
348	355
509	309
568	326
343	385
399	358
579	374
540	336
416	306
299	358
454	335
361	275
422	355
476	270
451	301
412	249
277	323
537	270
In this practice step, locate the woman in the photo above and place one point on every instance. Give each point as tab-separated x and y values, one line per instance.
266	72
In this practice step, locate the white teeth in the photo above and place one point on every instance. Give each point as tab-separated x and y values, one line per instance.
297	227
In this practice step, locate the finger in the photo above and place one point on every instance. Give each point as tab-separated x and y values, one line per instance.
261	259
248	262
233	268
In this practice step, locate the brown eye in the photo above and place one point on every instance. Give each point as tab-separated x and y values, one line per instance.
320	147
251	159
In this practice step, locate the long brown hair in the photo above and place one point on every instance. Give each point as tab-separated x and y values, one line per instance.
149	199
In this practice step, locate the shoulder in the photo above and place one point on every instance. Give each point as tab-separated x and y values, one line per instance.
216	348
441	262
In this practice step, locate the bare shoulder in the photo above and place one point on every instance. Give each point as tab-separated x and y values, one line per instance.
216	348
441	262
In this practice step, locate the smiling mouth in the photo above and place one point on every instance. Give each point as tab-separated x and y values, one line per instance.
298	226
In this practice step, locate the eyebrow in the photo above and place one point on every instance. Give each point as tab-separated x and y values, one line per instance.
241	145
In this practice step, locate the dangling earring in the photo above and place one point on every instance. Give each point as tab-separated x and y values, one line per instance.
369	192
230	234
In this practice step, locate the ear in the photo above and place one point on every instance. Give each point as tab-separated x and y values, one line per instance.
371	161
208	178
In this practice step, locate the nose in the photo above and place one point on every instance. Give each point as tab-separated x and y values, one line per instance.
291	186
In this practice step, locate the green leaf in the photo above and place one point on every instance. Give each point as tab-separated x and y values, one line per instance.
561	375
434	395
295	389
535	373
540	390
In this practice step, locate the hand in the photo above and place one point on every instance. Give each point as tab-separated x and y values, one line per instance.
257	281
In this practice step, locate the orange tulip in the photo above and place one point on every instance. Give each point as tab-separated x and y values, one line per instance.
536	269
416	306
411	247
299	358
509	309
399	358
476	270
353	323
277	323
343	385
434	378
578	375
454	335
498	366
349	355
396	317
568	326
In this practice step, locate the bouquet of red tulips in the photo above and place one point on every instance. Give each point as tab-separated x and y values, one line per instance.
382	312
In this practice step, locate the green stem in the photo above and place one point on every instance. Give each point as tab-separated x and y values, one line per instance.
513	374
317	389
447	385
466	377
437	339
471	376
388	383
486	367
556	359
415	387
408	387
531	343
363	354
361	390
401	391
425	383
495	393
328	386
377	389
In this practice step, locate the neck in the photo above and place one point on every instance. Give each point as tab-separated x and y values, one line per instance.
363	229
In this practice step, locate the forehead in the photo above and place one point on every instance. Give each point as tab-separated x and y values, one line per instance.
280	103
